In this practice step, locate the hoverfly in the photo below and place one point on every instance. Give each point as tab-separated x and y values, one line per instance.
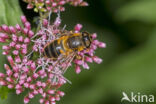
67	44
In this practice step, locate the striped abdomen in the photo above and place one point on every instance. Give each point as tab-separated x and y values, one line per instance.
52	50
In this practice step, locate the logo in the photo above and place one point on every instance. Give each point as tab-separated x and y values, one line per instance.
138	97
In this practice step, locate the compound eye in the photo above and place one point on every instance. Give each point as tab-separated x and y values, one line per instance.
86	39
87	44
85	34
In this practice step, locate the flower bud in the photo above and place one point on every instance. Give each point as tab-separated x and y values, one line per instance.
97	59
45	22
9	79
44	95
77	69
96	42
32	86
5	28
41	100
2	40
31	95
94	36
52	98
18	27
26	40
18	86
12	44
47	102
10	86
35	92
27	25
23	19
51	91
26	85
61	93
30	6
9	72
12	29
85	66
18	91
17	46
15	52
57	98
78	27
25	31
53	102
24	51
79	62
88	59
3	83
3	35
30	34
40	90
102	45
35	75
20	39
26	100
2	75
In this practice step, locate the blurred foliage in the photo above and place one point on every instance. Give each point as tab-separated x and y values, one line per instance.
4	92
140	10
129	29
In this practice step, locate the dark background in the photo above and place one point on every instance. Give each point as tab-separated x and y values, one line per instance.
129	61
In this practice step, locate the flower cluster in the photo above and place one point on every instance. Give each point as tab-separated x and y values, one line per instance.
53	5
24	72
17	38
29	69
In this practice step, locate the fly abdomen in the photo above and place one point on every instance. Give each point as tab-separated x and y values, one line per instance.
46	52
52	50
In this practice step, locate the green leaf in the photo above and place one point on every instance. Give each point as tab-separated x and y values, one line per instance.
141	10
10	12
4	92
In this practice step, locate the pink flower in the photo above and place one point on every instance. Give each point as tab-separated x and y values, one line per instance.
50	5
41	101
10	86
78	27
97	59
2	75
102	45
3	83
26	100
30	95
51	91
77	69
18	91
61	93
27	65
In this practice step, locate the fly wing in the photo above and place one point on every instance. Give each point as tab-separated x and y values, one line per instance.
64	63
67	60
66	33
